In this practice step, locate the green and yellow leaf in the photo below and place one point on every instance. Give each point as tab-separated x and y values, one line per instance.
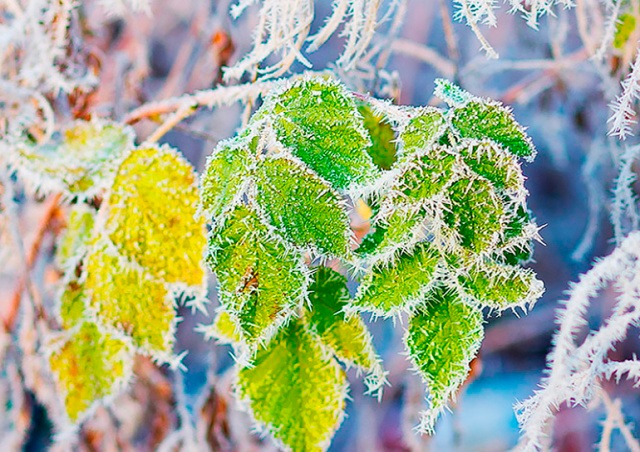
81	162
226	172
126	298
422	131
225	329
295	389
501	286
261	280
401	228
74	242
475	214
72	304
491	162
424	175
151	216
90	367
346	336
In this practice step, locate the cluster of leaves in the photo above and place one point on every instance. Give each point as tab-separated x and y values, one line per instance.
125	263
448	235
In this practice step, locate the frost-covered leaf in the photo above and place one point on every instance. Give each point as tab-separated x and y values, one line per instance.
516	245
475	213
317	119
347	336
151	212
261	280
443	336
451	93
126	298
89	367
302	207
295	389
424	175
422	130
491	120
494	164
224	329
388	288
371	242
80	162
383	148
72	304
501	286
400	229
73	243
226	171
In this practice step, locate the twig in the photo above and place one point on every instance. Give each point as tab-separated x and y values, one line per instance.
50	212
472	22
449	34
615	419
185	106
183	112
425	54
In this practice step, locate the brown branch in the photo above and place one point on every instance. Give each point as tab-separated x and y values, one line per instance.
51	211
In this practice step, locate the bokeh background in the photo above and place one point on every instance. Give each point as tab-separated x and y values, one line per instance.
555	90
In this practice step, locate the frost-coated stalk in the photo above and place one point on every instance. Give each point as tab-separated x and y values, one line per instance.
575	368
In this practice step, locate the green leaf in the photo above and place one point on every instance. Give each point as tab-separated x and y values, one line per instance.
151	212
72	304
625	26
80	163
516	246
389	288
383	149
501	286
475	213
226	171
125	298
89	367
347	336
370	243
295	389
73	243
317	119
261	280
424	175
302	207
488	160
225	329
451	93
422	131
399	229
443	336
488	119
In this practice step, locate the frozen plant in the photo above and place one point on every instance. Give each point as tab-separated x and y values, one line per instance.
449	233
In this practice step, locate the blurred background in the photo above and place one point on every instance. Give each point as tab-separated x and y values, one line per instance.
555	90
